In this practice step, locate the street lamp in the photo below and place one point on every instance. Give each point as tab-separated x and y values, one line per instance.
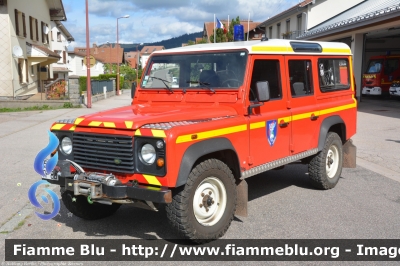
137	64
118	92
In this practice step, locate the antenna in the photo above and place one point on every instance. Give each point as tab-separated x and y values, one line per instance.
17	51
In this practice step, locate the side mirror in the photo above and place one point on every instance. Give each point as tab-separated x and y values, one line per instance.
133	89
263	91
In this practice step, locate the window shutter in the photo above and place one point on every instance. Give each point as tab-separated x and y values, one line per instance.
16	22
47	35
26	70
37	30
20	71
30	27
41	28
24	24
64	57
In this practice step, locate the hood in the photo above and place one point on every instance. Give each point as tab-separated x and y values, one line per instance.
135	116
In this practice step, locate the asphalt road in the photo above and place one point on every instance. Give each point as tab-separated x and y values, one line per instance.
282	203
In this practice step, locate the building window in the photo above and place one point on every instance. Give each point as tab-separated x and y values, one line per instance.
278	30
45	36
26	71
300	78
299	21
20	25
34	29
270	32
58	36
23	70
288	26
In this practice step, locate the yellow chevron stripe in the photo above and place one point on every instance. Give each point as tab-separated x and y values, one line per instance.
138	133
72	128
158	133
211	133
109	124
95	123
152	180
128	124
78	120
57	126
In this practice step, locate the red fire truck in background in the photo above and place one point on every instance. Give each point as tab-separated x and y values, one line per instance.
382	70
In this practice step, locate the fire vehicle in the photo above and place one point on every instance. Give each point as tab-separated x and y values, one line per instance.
382	70
236	110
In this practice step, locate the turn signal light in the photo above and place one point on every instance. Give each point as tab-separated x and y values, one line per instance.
160	162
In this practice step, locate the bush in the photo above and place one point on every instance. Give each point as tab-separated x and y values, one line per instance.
68	105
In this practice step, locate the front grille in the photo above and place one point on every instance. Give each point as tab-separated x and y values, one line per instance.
106	152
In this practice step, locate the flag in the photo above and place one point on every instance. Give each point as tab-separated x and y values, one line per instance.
219	25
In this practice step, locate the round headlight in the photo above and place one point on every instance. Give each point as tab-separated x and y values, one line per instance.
148	154
66	145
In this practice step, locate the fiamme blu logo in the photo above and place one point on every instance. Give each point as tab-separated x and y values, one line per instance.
44	167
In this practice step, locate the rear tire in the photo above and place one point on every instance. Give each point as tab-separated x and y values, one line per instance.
204	208
80	207
325	167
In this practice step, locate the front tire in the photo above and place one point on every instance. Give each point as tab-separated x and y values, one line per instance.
325	167
79	206
204	208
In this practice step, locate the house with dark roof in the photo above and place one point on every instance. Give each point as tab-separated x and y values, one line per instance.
146	52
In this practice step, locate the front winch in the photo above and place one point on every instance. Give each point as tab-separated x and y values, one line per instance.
90	184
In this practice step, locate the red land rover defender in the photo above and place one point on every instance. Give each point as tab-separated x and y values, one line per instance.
205	118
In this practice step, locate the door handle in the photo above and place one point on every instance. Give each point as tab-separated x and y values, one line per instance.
314	117
283	124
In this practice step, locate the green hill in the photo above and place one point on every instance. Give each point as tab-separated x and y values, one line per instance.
170	43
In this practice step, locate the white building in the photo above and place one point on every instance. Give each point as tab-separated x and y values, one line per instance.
60	39
77	66
25	47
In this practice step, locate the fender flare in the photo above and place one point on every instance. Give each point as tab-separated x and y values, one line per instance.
197	150
325	125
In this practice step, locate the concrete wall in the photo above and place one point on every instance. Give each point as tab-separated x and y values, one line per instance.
23	103
326	9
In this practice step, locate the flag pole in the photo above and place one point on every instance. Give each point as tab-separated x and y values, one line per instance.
214	28
248	27
228	22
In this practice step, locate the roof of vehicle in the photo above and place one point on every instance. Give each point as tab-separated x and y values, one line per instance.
271	46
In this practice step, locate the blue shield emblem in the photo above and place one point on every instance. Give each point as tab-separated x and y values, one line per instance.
271	132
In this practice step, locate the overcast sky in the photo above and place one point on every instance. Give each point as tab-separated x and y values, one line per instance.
157	20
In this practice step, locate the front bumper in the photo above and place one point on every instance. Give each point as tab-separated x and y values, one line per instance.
372	91
394	91
105	187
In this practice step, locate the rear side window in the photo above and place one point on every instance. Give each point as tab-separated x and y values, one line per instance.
300	78
334	74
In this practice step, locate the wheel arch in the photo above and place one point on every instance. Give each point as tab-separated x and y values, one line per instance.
218	148
331	124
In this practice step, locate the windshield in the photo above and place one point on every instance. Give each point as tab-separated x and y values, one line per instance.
193	71
374	66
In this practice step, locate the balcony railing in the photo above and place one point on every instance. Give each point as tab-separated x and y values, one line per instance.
292	35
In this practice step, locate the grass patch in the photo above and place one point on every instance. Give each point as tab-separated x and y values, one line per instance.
4	232
37	108
20	224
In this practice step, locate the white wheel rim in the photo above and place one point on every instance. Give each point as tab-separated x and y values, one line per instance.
209	201
332	161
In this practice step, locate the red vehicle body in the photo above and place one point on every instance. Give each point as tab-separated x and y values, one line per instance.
235	110
382	70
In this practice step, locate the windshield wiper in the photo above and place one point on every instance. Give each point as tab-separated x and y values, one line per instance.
207	85
165	83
